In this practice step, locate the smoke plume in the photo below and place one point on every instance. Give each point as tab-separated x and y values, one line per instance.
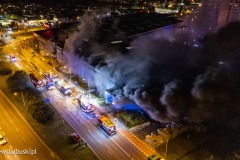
169	80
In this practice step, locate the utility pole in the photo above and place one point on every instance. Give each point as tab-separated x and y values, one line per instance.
166	149
25	107
24	103
23	99
69	74
52	61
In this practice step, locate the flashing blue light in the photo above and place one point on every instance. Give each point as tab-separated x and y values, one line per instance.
131	107
109	98
47	100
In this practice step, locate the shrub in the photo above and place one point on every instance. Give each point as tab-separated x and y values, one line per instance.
32	96
6	71
43	114
18	81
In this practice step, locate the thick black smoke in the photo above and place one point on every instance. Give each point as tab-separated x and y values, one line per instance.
171	81
216	95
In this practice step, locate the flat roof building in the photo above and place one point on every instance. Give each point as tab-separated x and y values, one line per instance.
116	32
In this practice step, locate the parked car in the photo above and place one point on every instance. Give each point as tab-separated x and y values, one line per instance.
154	157
3	139
75	137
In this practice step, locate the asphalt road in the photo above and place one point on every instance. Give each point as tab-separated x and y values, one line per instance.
20	135
105	147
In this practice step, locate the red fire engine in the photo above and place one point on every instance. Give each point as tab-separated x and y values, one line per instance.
36	80
106	124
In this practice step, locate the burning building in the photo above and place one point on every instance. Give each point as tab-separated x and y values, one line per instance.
93	38
147	62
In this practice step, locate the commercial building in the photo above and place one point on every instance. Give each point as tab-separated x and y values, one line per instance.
116	32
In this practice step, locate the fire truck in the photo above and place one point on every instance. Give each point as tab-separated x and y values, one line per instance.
36	81
51	76
63	88
49	80
106	124
48	83
85	105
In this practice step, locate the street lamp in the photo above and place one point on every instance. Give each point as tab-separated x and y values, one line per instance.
89	95
22	99
113	103
70	74
52	61
166	149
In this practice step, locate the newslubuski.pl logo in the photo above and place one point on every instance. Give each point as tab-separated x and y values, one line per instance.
17	151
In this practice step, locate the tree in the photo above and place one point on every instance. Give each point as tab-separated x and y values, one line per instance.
32	96
18	81
5	71
43	114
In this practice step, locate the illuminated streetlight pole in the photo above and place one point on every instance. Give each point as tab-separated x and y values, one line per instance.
52	62
22	100
166	149
117	116
115	105
89	95
70	75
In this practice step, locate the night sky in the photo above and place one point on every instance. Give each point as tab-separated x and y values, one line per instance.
50	2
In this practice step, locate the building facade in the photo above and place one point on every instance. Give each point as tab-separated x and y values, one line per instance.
220	12
91	68
234	11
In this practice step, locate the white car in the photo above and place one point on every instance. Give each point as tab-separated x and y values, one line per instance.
13	58
3	140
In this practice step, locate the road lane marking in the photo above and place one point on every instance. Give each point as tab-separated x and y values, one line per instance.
24	120
52	154
121	148
6	113
99	141
89	131
11	147
131	141
17	129
11	121
109	152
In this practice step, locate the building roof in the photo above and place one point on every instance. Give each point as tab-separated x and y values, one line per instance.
132	25
119	28
52	34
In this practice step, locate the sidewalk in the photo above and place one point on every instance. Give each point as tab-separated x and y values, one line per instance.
139	144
